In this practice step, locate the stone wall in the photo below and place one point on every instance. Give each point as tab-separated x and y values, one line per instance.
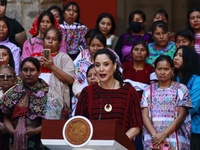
25	11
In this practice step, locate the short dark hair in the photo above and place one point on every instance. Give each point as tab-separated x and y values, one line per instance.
161	12
106	15
34	61
90	67
100	37
186	34
160	24
90	33
164	58
3	2
56	8
144	44
133	13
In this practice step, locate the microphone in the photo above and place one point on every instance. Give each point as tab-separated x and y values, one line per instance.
100	111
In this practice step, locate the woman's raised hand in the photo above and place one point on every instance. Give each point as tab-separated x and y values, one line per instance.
47	63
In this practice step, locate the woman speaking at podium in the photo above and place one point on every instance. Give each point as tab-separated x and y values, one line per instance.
111	98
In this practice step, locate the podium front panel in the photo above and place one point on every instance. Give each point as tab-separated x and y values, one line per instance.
107	135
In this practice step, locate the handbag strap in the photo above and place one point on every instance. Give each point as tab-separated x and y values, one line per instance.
151	106
176	113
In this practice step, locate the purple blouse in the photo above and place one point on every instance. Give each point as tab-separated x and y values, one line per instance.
125	43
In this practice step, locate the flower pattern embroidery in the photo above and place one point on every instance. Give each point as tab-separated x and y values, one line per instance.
81	68
16	96
74	36
154	53
40	94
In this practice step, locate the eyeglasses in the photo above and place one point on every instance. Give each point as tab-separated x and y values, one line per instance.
7	76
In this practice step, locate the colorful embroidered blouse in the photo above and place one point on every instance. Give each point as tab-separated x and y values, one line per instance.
197	44
74	36
154	53
37	99
81	63
163	106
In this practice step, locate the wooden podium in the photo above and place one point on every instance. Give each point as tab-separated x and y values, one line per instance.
107	135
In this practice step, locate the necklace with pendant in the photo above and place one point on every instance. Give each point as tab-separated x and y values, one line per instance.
108	106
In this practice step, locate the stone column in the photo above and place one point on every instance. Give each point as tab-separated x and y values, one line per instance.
121	17
179	15
25	11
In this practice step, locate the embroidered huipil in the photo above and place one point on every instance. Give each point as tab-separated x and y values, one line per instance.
21	100
36	102
81	63
154	53
163	107
74	36
197	44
